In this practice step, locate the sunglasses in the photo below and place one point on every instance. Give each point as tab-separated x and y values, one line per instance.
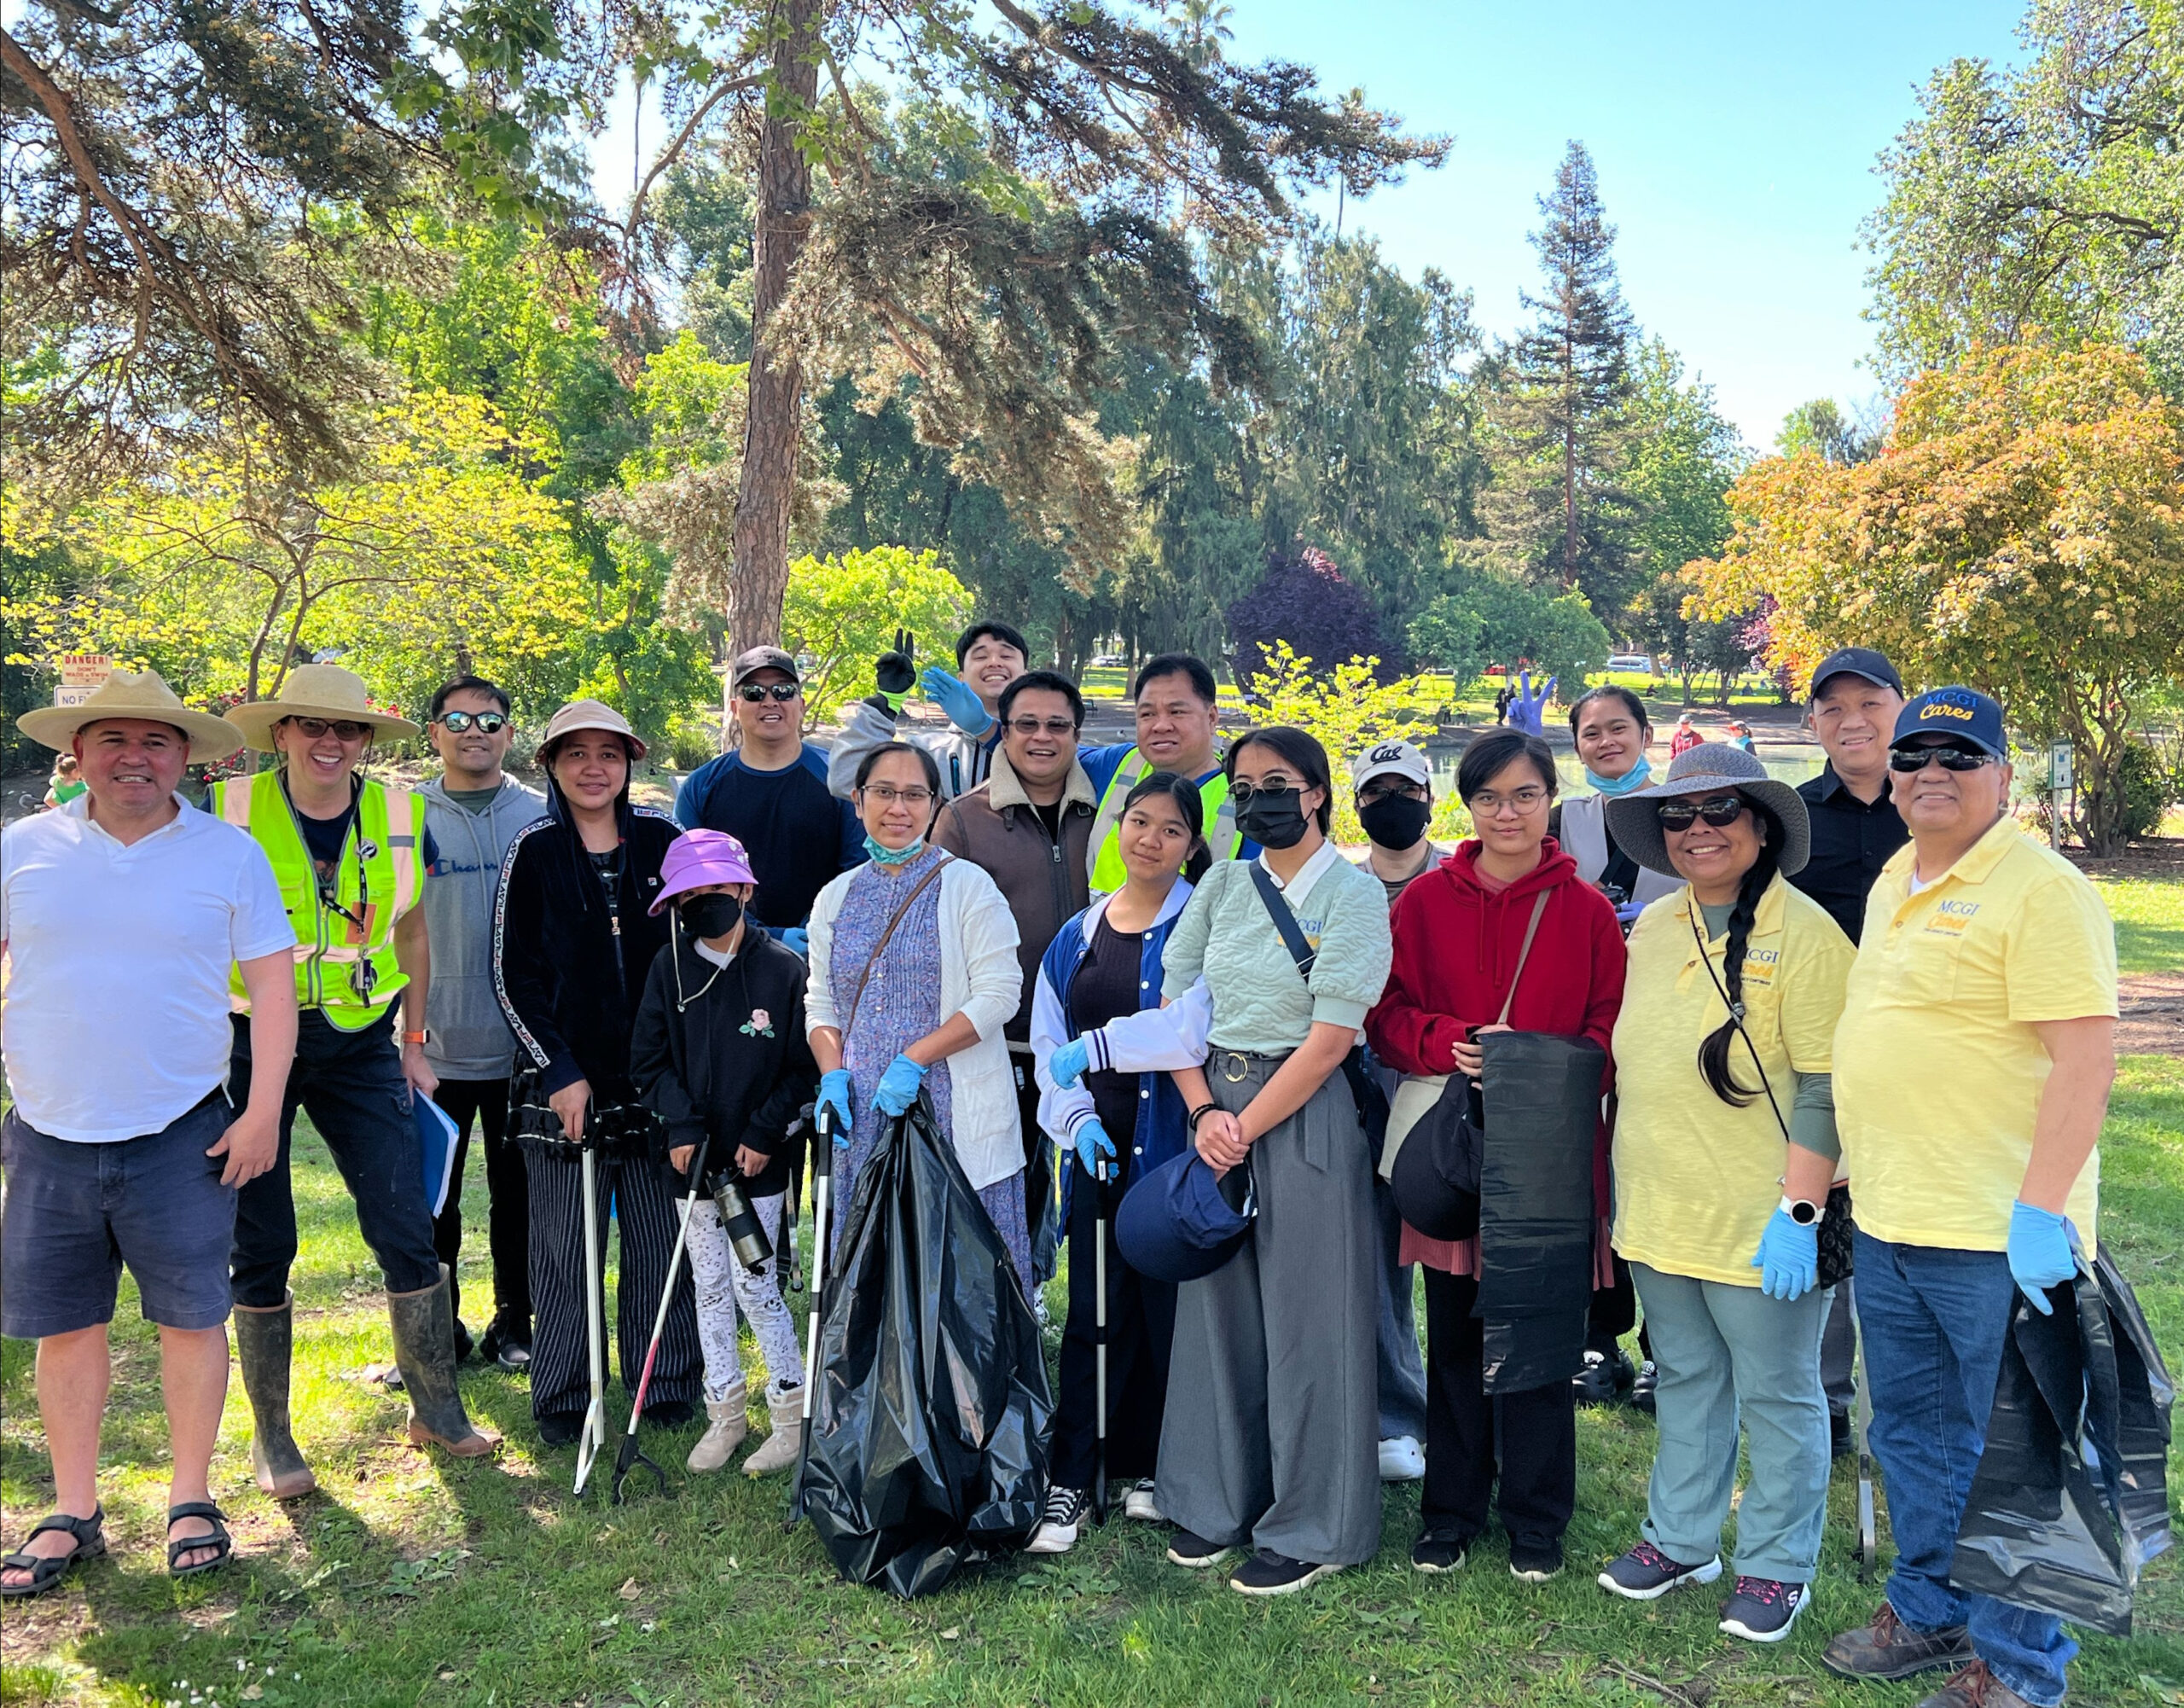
756	691
1721	811
485	723
1949	758
346	728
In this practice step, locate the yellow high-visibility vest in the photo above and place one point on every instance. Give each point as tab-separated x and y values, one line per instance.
1103	851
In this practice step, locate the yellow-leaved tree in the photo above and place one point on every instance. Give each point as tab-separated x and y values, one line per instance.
840	614
1346	709
2022	532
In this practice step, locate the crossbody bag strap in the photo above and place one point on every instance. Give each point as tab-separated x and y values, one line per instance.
1285	921
1524	953
887	936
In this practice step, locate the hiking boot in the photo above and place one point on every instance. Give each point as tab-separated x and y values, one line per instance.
1646	1574
1058	1527
264	1340
1762	1610
1889	1648
1532	1560
1268	1573
1440	1550
1974	1688
728	1421
1605	1379
1642	1386
1187	1547
1139	1503
783	1447
1402	1460
424	1351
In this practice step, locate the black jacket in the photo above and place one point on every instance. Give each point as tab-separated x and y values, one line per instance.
570	974
734	1061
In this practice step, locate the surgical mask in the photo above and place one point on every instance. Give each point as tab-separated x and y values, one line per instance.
893	857
713	915
1637	777
1272	818
1394	820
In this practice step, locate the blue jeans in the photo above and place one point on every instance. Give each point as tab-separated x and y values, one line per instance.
1402	1370
1933	1321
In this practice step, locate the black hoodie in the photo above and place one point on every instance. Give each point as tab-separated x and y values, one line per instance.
725	1052
570	972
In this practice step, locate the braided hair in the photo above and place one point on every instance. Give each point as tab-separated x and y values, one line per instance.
1714	1053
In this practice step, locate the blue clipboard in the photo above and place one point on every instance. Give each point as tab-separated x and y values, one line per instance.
436	1142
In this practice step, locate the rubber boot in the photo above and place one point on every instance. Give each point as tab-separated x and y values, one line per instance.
785	1442
424	1349
728	1421
264	1339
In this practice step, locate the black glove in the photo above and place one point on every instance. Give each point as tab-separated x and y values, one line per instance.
894	674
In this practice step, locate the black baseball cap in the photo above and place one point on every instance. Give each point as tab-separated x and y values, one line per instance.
748	665
1863	661
1962	712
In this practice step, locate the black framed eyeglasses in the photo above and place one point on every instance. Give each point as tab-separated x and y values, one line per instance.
1949	758
485	723
1053	726
756	691
1241	794
1392	788
1719	811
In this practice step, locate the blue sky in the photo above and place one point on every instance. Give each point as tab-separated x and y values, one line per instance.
1734	144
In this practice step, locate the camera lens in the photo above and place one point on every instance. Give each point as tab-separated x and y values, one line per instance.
745	1233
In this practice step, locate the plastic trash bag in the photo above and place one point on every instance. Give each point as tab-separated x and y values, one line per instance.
928	1443
2071	1498
1536	1219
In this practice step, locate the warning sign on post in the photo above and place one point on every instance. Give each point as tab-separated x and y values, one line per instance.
82	675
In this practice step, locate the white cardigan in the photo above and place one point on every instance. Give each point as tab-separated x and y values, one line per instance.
980	977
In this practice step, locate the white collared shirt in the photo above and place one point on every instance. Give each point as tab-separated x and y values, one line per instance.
1307	874
113	1021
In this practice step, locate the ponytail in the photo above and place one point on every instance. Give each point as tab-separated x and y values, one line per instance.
1714	1053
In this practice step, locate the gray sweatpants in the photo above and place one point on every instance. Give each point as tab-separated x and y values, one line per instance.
1271	1431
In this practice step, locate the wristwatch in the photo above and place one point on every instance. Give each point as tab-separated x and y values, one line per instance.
424	1037
1801	1211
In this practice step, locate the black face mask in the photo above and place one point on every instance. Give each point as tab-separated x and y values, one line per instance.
1272	818
711	916
1395	820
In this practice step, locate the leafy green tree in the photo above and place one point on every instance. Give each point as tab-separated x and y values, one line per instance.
1494	619
1828	430
1346	706
841	613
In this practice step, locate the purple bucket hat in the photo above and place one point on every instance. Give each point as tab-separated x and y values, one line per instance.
699	857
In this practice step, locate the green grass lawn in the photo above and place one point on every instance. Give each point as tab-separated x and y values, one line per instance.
2149	914
412	1580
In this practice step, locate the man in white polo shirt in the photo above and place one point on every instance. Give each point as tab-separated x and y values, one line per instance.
120	914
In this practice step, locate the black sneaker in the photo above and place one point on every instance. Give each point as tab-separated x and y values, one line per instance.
1058	1524
1646	1574
1268	1573
1841	1438
506	1344
1605	1379
560	1428
1533	1561
1440	1550
1188	1548
1761	1610
1642	1386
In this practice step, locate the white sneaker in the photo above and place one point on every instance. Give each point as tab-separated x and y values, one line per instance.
1402	1460
1064	1517
1138	1503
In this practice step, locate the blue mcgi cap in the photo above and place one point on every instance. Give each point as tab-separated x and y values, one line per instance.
1963	712
1174	1225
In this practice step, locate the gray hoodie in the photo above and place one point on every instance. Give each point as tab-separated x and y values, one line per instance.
470	1036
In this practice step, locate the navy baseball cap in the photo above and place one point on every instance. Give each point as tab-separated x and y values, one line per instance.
1863	661
1963	712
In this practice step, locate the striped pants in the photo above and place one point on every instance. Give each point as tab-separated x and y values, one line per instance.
640	1192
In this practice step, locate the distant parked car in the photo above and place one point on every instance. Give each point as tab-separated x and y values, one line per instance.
1110	661
1640	662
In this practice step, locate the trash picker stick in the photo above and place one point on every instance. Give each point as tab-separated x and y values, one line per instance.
1099	1342
630	1454
593	1437
822	1180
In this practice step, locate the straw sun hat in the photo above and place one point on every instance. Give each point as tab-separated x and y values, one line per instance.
132	694
325	691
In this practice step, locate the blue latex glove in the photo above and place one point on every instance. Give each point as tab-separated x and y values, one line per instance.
1788	1257
2043	1252
899	1086
1528	711
1627	914
1093	1144
834	1099
953	696
1066	1065
797	938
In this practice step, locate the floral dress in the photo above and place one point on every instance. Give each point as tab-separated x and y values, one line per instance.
901	1004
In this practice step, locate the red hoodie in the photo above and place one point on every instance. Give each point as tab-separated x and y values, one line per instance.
1456	945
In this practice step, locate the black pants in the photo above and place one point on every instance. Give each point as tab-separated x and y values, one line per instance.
350	1085
1141	1328
1530	1440
508	1226
640	1191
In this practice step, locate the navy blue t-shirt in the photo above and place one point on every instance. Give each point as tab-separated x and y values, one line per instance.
799	837
324	838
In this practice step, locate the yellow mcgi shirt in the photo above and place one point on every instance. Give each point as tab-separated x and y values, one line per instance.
1937	1069
1697	1178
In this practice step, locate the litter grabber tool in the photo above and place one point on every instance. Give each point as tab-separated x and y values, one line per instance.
593	1437
1100	1341
1862	1412
823	1180
631	1453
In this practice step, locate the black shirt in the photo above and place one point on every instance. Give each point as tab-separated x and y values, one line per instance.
1105	989
1852	841
323	838
798	835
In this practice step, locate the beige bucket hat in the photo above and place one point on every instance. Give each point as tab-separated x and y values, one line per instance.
591	714
132	694
318	691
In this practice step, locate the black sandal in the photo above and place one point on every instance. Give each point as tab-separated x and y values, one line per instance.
220	1539
47	1570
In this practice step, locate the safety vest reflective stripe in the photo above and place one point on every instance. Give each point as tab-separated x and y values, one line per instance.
1103	853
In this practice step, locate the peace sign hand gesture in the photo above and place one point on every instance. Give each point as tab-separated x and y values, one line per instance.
1527	710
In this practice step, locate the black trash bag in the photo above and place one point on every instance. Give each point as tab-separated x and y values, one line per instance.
1536	1216
929	1423
2060	1516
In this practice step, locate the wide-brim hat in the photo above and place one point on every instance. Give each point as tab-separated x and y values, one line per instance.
591	714
699	857
1710	768
325	691
133	693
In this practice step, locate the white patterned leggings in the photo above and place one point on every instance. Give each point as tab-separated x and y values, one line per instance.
723	1285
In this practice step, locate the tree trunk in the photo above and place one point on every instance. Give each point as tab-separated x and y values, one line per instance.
774	421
